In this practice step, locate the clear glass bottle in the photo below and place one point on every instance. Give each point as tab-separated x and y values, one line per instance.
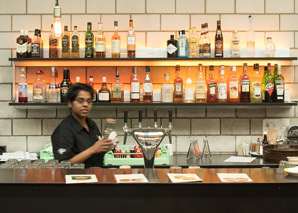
135	87
269	47
23	86
65	43
117	89
235	44
279	86
53	90
131	41
211	87
256	86
116	45
206	43
104	93
233	86
250	39
178	86
147	86
188	89
100	43
53	44
75	43
166	90
89	41
222	87
182	45
219	45
193	42
245	85
200	85
39	88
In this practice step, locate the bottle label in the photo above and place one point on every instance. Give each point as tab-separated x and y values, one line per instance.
89	42
212	87
38	92
206	48
178	88
218	48
269	87
30	48
147	87
75	44
117	92
182	47
65	44
233	90
35	49
135	87
135	95
257	89
104	96
53	42
166	93
22	89
280	89
171	49
99	46
245	86
131	40
115	46
200	90
222	91
22	48
235	43
64	91
189	94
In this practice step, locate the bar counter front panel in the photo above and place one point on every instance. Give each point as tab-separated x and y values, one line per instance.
44	190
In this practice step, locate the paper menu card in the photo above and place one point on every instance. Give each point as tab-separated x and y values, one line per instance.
183	178
131	178
80	178
237	159
234	177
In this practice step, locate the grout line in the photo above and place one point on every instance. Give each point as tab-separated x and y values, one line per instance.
115	7
85	6
205	6
175	6
265	1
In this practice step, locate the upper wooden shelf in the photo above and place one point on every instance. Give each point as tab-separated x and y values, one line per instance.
88	62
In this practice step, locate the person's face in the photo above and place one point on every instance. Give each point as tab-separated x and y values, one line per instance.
82	105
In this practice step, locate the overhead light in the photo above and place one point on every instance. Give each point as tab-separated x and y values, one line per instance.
58	30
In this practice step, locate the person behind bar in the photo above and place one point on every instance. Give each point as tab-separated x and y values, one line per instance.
76	137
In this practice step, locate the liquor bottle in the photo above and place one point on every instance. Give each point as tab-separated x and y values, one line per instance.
172	47
265	141
256	86
64	86
135	87
206	43
53	91
57	85
264	80
91	83
66	43
41	43
36	45
166	90
233	86
29	41
89	41
75	43
116	45
104	93
189	90
279	86
269	86
182	45
245	85
269	47
235	44
100	43
131	41
53	44
23	86
275	72
39	88
219	41
22	45
147	86
211	87
250	39
200	85
117	90
222	87
78	79
68	78
178	86
200	49
193	43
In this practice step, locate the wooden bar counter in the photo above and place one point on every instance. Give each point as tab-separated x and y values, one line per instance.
44	190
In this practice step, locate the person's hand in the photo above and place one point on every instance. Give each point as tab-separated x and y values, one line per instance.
102	145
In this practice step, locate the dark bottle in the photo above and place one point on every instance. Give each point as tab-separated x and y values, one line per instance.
265	141
218	41
89	42
172	47
22	45
245	85
211	87
269	86
68	78
64	86
91	83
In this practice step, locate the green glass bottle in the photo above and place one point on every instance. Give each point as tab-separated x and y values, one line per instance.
269	87
263	82
275	70
89	42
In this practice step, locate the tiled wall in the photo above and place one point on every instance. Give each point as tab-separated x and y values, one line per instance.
154	21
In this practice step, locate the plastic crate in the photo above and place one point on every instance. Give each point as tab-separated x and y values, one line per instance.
46	155
110	158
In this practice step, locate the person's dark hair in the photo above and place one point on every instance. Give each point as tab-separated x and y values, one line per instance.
76	88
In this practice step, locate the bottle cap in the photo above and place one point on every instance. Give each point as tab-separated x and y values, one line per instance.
233	68
116	23
104	79
256	67
91	78
200	67
147	69
75	27
39	72
22	32
65	28
177	67
183	32
211	67
135	70
172	37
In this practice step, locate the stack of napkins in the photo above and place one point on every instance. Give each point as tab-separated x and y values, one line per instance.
18	155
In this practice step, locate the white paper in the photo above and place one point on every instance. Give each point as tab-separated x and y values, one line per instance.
80	178
18	156
182	178
237	159
234	177
131	178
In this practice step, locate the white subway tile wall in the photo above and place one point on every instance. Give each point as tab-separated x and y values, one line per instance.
154	21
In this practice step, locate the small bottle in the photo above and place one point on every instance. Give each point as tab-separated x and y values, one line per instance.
200	86
100	43
89	42
233	86
166	90
206	43
57	85
78	79
178	86
41	43
75	43
64	86
68	78
23	86
256	86
211	87
36	45
29	41
269	47
182	45
53	91
66	43
135	87
104	93
265	141
245	85
147	86
189	90
117	90
279	86
116	45
131	41
219	49
193	43
22	45
258	146
269	86
39	88
222	87
250	39
53	44
91	83
235	44
172	47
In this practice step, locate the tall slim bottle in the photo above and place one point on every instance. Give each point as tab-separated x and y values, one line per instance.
166	90
172	47
22	45
178	86
250	39
116	45
53	90
206	43
100	43
131	41
192	43
200	85
29	41
264	81
182	45
245	85
23	86
219	49
89	41
222	87
39	88
256	86
233	86
147	86
135	87
279	86
53	44
91	83
188	89
65	43
211	87
64	87
269	86
75	43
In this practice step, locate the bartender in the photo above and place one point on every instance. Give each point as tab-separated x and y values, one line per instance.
76	137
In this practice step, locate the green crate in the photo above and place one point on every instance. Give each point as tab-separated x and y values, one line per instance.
110	159
45	154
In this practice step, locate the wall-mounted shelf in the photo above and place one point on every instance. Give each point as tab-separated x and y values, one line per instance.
89	62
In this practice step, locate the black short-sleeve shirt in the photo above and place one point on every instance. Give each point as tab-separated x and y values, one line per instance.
70	138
